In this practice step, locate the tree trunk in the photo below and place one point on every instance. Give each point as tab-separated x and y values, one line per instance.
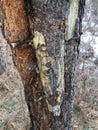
48	68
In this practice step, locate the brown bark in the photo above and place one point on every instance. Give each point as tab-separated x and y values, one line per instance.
15	22
26	62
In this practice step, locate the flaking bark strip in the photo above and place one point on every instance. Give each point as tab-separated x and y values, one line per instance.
72	17
43	59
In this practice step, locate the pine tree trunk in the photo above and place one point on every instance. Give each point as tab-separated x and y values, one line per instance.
48	67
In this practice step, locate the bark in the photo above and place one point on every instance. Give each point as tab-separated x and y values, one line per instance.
59	24
15	22
48	67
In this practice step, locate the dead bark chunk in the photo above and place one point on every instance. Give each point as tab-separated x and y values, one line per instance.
15	22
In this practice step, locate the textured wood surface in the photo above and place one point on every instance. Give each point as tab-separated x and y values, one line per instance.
15	22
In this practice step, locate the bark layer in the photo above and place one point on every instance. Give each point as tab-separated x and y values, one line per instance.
15	22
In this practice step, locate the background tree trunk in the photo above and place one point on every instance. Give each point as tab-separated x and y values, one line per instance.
59	23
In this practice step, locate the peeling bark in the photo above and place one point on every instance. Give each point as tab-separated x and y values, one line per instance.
15	22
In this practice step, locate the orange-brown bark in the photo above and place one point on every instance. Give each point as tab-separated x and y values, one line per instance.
26	64
15	22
